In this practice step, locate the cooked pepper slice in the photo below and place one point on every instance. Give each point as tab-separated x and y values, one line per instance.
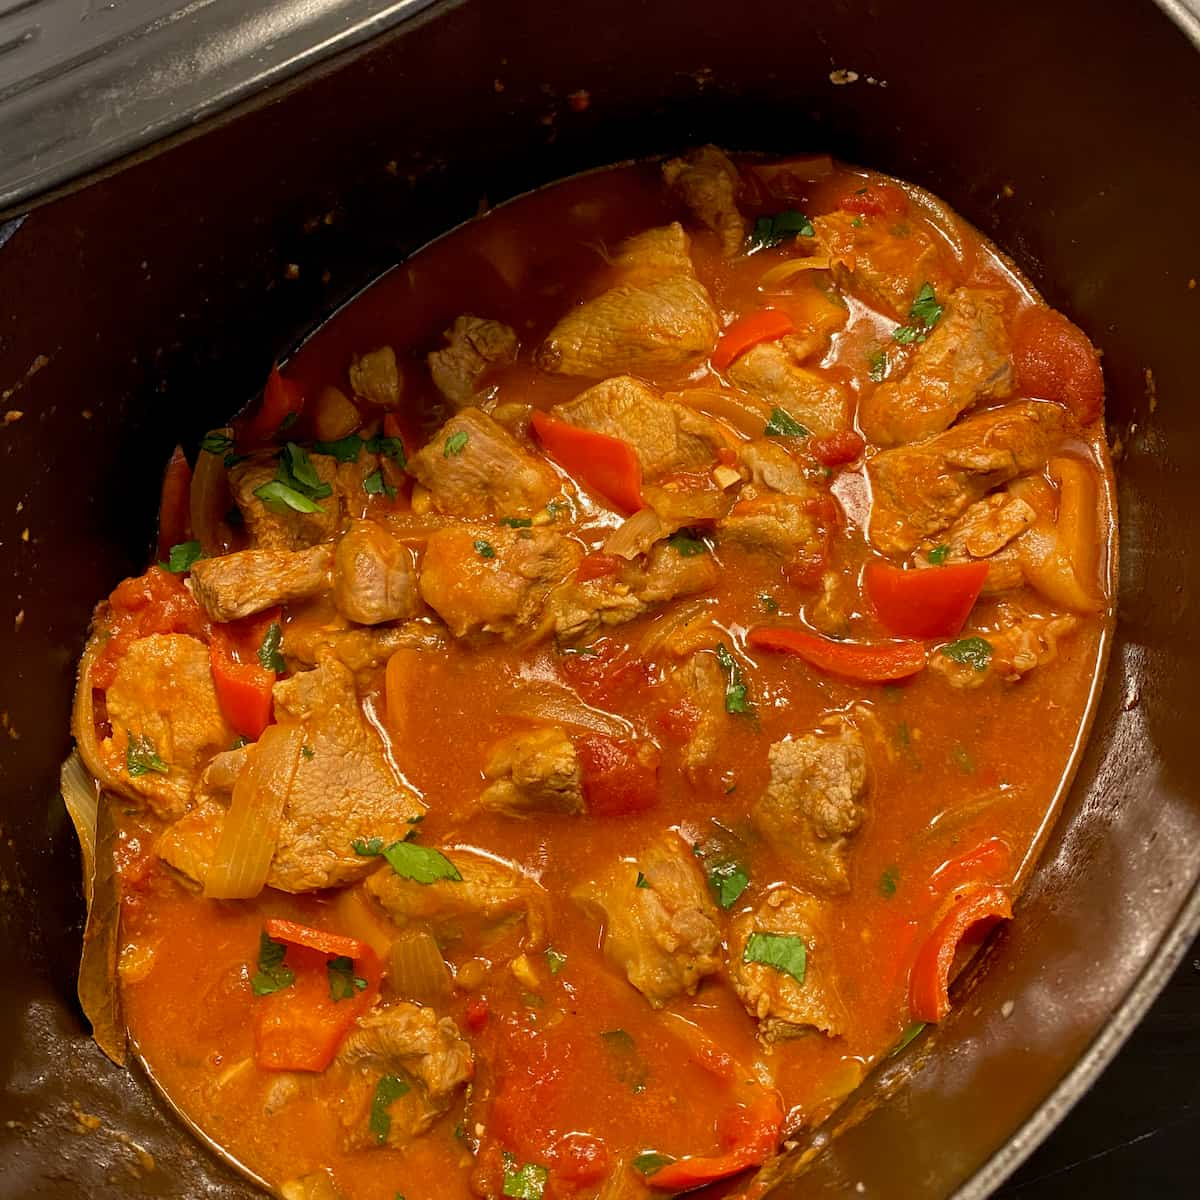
605	464
174	510
243	684
879	663
930	602
282	398
763	326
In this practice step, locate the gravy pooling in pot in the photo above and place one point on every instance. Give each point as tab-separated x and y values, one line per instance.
591	704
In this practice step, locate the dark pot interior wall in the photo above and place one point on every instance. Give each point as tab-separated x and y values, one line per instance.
160	297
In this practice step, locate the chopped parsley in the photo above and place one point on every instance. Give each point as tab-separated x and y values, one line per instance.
877	366
649	1161
769	603
345	450
343	983
517	522
181	557
857	223
367	847
524	1182
422	864
906	1037
970	651
484	549
771	230
389	447
296	470
555	960
276	496
388	1090
268	653
728	880
308	751
889	881
376	485
455	444
937	556
641	881
923	316
687	545
141	756
736	699
781	951
962	759
216	441
272	975
783	424
626	1062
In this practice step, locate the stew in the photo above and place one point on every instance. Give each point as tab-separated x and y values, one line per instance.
586	711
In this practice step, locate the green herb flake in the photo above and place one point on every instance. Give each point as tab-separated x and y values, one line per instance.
268	653
780	951
389	447
343	983
368	847
308	751
923	316
736	697
455	444
889	881
526	1182
877	366
961	757
970	651
783	424
771	230
857	223
181	557
649	1161
141	756
517	522
376	485
289	419
906	1037
728	880
687	545
626	1062
239	742
937	556
217	441
768	602
345	450
278	496
388	1090
484	549
555	960
296	470
272	975
641	881
903	734
422	864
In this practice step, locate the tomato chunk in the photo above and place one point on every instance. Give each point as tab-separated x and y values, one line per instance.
932	602
1054	360
620	775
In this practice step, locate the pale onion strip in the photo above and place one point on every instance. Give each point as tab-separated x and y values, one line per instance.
670	623
99	995
741	413
83	724
82	798
557	705
946	222
418	970
636	534
208	502
251	829
782	272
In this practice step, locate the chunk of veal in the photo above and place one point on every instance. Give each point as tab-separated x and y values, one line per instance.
485	579
341	789
357	648
536	771
985	532
785	1006
921	489
248	581
663	933
275	526
474	347
707	182
657	316
375	377
697	688
1021	642
666	436
405	1042
490	893
374	577
773	372
965	359
881	261
813	804
166	723
474	467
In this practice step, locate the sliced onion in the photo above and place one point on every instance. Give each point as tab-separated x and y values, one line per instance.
554	704
209	502
782	272
742	413
82	798
946	222
418	970
673	622
243	858
636	534
83	723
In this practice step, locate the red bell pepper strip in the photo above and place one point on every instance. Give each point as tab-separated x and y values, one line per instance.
751	1131
851	660
174	511
929	602
607	465
929	984
878	200
244	686
281	399
618	775
766	325
991	858
1054	360
301	1026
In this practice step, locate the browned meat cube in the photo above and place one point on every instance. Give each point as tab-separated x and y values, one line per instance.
479	578
882	262
358	649
657	317
409	1043
1020	642
275	526
965	359
583	607
986	531
669	572
166	723
666	435
489	894
788	527
664	933
248	581
476	468
784	1005
813	804
474	347
772	371
920	490
770	468
374	579
375	377
698	688
707	182
531	773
